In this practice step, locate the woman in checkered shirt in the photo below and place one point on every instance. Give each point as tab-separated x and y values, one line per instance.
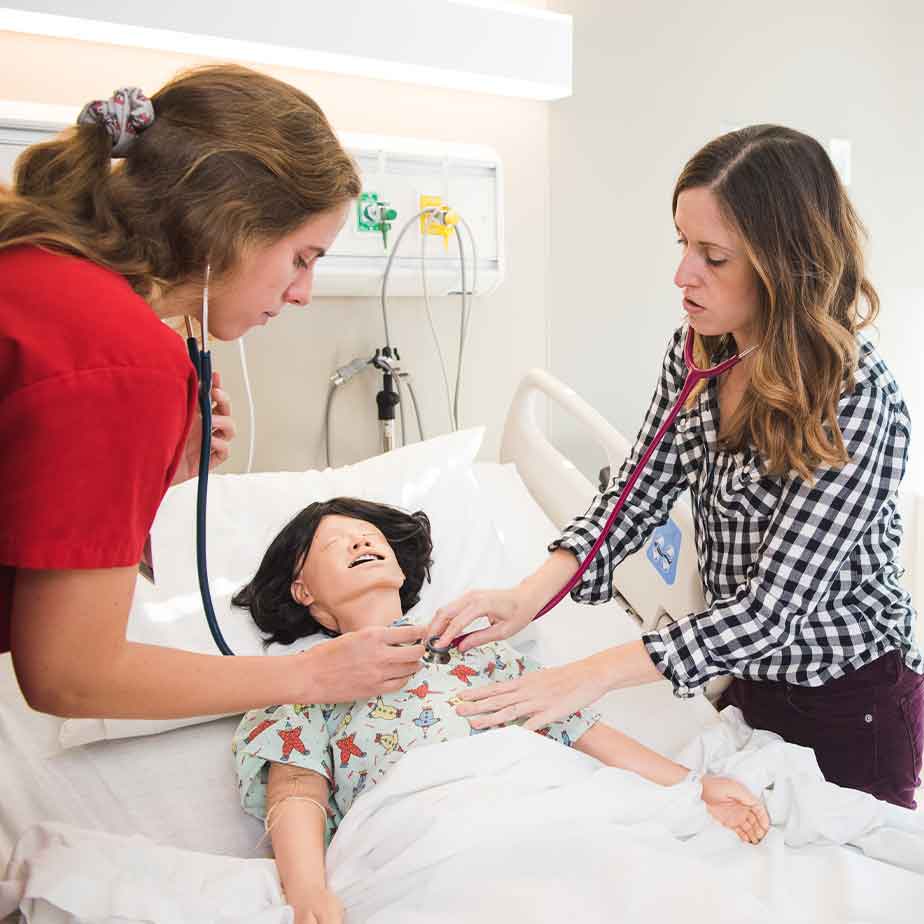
793	461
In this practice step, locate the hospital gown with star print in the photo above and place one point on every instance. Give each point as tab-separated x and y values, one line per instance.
355	744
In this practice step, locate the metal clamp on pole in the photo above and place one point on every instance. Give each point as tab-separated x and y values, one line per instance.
386	361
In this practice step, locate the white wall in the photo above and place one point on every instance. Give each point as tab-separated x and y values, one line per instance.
291	358
655	81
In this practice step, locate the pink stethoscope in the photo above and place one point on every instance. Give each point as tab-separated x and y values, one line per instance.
695	375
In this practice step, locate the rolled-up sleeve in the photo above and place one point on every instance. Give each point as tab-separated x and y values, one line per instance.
293	735
648	504
816	528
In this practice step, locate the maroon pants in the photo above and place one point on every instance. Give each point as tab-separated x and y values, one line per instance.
866	728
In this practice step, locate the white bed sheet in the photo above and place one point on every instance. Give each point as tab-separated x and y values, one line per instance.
178	787
535	832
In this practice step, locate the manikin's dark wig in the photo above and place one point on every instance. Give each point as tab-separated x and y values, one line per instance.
268	596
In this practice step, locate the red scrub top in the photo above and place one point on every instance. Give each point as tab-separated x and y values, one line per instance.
96	398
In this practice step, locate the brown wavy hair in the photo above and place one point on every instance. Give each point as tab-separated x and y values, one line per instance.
779	190
233	157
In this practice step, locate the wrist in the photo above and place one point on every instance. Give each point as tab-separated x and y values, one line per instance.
305	665
537	589
626	665
607	668
307	892
530	599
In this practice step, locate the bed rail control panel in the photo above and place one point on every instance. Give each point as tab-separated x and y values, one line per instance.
664	551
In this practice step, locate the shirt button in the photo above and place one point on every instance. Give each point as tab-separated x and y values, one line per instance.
867	718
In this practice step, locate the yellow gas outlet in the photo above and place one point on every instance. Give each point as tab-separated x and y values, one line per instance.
439	225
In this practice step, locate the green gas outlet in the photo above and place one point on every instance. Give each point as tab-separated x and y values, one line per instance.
367	212
373	215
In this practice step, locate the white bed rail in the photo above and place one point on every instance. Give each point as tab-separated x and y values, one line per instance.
661	581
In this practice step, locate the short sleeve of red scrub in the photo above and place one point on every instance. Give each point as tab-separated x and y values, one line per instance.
96	397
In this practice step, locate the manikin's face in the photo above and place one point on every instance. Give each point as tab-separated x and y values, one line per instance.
349	562
720	286
271	276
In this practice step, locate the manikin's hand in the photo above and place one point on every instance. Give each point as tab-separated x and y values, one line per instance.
223	431
319	907
733	805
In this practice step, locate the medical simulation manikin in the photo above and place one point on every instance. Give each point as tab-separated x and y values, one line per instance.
342	566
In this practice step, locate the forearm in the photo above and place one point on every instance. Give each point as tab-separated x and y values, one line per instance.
72	658
626	665
537	589
298	844
297	827
154	682
615	749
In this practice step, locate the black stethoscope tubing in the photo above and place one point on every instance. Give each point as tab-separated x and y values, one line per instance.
202	362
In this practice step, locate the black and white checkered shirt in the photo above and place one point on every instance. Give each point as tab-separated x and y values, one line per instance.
801	581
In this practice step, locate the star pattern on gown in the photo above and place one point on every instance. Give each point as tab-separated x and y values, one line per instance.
464	672
422	691
349	748
291	741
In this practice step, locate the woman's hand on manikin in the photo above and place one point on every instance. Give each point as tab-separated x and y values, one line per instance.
539	697
223	432
508	611
356	665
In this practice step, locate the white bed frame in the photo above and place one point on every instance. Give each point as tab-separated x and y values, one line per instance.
562	491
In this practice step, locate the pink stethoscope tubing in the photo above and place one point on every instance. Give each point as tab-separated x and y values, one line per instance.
695	375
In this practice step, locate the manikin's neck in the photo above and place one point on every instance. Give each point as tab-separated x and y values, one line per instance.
378	606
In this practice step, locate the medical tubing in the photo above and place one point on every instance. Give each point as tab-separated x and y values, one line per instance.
327	427
410	388
253	412
694	377
391	259
462	326
439	350
467	320
471	238
401	410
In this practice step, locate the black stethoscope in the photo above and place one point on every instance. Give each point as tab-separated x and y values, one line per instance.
202	361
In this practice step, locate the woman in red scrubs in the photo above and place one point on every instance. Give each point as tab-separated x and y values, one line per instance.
223	168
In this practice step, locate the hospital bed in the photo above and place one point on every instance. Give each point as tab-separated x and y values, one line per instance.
177	787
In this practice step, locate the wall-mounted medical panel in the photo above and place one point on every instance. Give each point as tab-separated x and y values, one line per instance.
402	172
397	173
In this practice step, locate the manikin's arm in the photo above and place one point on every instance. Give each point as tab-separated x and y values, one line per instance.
296	820
730	803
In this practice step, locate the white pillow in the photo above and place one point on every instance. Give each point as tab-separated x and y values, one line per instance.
247	511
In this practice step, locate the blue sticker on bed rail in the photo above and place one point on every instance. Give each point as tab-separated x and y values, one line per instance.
664	551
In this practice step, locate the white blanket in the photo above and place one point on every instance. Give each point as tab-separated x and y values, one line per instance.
508	826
